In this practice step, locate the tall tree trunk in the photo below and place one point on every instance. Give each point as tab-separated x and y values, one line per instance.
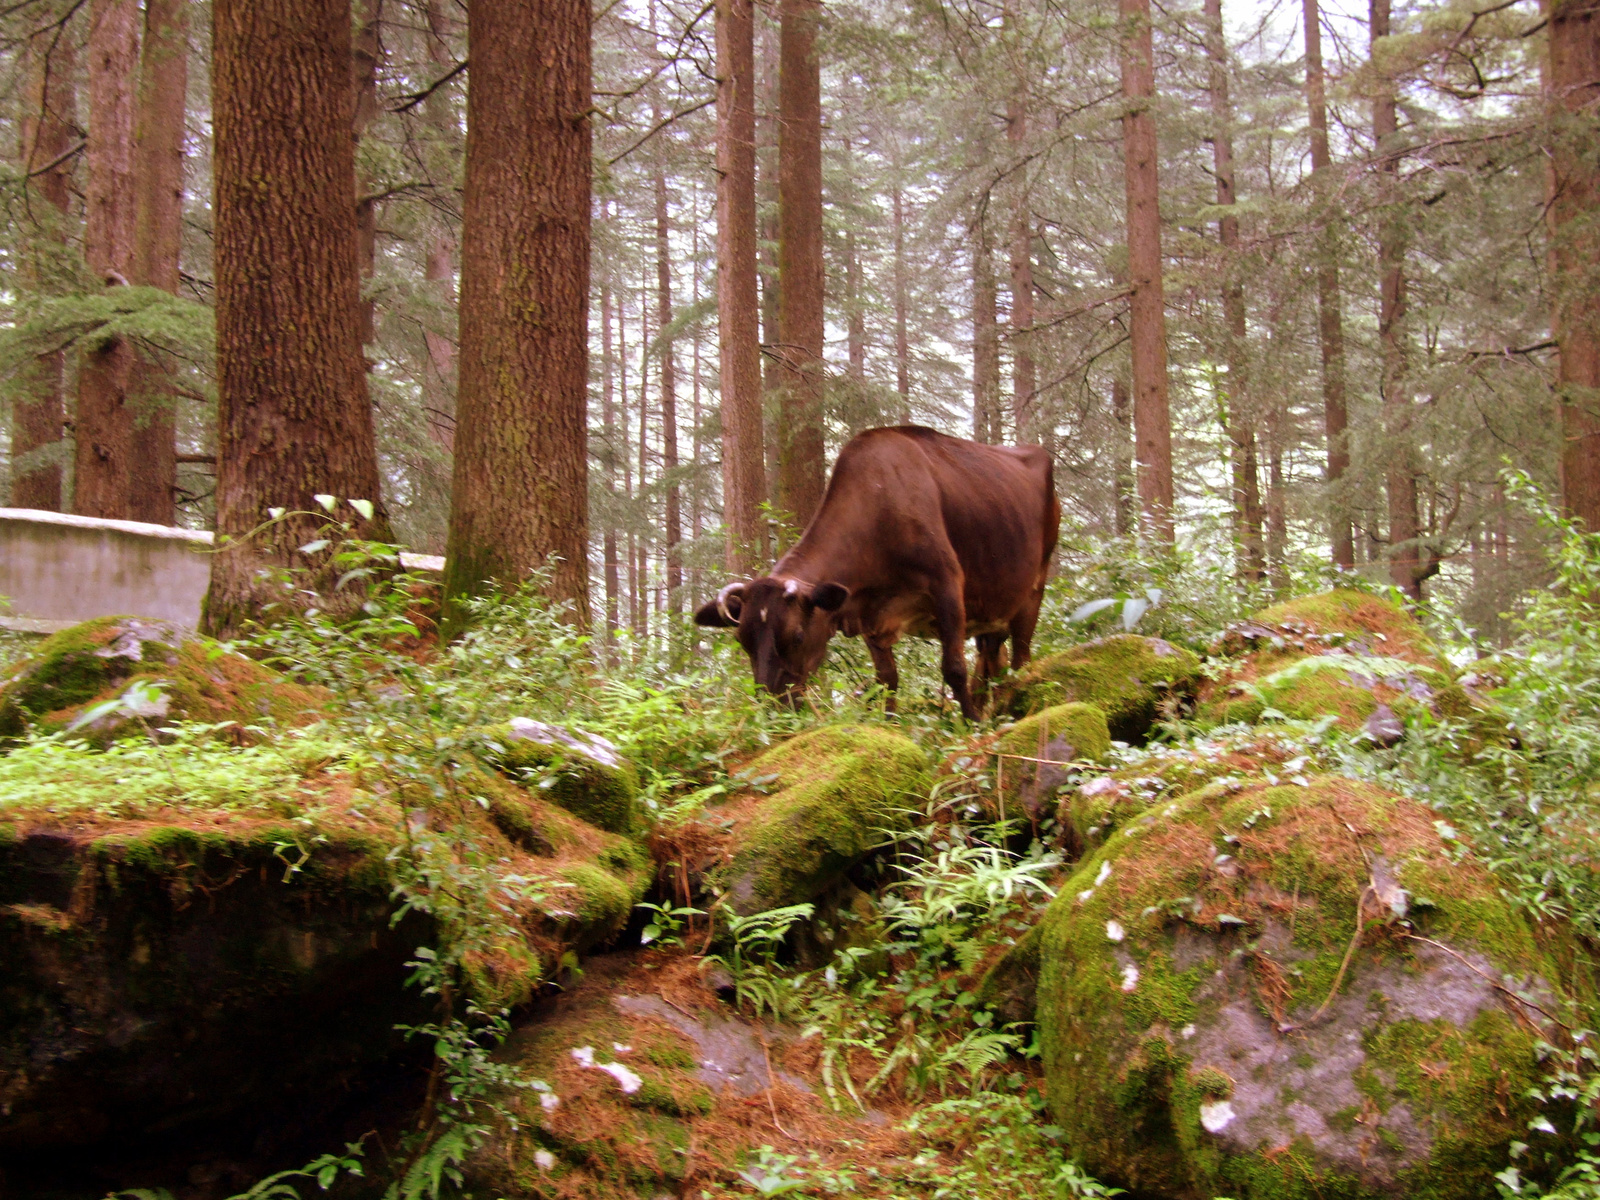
625	450
1237	418
294	419
158	236
902	342
855	311
1152	421
669	397
608	414
103	458
439	269
520	487
1573	74
642	596
1277	507
1330	316
49	118
1024	380
800	315
744	484
1407	569
985	338
1123	473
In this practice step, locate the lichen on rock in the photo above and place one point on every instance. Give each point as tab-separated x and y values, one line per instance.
188	677
1292	991
1126	676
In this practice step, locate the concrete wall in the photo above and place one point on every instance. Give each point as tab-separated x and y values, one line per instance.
57	569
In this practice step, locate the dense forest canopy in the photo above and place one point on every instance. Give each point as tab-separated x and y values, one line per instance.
1355	353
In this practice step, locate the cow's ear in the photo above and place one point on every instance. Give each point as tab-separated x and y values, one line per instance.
722	610
830	597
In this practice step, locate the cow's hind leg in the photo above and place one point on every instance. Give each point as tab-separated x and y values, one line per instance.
887	669
950	619
990	646
1022	627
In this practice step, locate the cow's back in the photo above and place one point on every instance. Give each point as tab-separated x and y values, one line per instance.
899	496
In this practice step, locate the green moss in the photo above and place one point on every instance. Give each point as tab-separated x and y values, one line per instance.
838	789
1369	625
1125	676
605	794
1082	726
1131	946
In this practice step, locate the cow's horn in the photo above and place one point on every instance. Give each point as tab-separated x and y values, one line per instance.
722	600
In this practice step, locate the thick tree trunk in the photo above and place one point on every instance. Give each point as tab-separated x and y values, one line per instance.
801	467
744	484
158	236
294	419
1330	316
49	117
1152	421
669	398
1024	379
520	487
363	111
902	340
985	338
1237	421
1573	73
103	424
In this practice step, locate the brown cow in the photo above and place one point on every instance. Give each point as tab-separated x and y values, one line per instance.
919	534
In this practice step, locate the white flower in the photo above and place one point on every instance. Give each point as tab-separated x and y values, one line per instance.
1114	931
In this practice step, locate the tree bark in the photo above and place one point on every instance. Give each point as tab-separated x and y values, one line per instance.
1573	72
1236	414
985	338
1407	568
1024	378
293	415
363	111
669	397
1152	421
744	484
103	424
520	486
800	315
158	238
902	341
1330	316
49	118
608	414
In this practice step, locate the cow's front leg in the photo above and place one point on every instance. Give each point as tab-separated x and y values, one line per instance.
888	670
950	619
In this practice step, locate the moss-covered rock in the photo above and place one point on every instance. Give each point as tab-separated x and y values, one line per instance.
1292	992
185	678
582	773
835	791
1126	677
1026	775
1360	659
636	1093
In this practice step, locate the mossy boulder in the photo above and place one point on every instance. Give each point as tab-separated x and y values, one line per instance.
835	791
1126	677
581	772
1360	659
1293	992
1027	775
186	678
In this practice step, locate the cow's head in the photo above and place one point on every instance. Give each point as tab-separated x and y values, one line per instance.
784	626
